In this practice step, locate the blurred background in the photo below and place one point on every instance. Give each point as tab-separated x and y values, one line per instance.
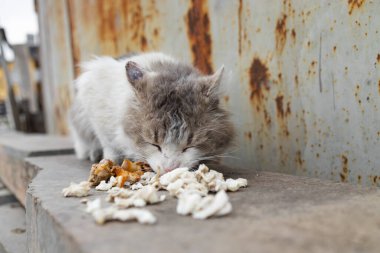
304	76
20	82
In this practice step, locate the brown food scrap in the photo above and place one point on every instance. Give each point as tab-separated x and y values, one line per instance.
135	166
100	171
144	166
121	175
128	171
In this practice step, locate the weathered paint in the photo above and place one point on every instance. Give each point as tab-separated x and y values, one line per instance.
56	63
198	25
302	77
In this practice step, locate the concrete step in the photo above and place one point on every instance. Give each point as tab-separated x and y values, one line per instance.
13	226
276	213
15	147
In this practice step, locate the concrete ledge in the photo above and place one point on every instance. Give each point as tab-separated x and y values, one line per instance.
15	147
276	213
12	229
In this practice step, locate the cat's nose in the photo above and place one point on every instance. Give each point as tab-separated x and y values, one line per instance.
170	168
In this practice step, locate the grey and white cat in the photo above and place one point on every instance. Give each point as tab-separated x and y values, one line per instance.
148	107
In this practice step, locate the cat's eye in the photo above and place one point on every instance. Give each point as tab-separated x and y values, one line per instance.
184	150
157	146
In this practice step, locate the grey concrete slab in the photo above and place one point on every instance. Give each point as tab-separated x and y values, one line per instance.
276	213
12	228
15	147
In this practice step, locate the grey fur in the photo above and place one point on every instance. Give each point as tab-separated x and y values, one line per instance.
170	104
178	102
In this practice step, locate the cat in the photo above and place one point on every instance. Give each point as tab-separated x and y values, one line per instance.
149	107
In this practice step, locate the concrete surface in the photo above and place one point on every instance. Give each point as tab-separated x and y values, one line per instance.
15	147
276	213
12	220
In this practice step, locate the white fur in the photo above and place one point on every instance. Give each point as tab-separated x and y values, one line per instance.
104	94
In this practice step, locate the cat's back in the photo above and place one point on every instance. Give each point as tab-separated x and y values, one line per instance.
103	89
104	74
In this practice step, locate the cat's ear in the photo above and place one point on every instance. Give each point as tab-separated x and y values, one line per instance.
135	73
213	81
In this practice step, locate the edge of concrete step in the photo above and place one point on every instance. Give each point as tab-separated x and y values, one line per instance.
15	147
276	212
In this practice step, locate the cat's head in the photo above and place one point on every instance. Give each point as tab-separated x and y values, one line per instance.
176	118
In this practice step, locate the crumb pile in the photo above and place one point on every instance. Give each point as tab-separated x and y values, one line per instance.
132	186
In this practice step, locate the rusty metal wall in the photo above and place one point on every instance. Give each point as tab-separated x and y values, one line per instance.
304	76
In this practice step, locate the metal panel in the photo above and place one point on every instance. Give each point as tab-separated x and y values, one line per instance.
303	78
56	63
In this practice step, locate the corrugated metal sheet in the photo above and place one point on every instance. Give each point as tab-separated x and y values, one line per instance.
304	76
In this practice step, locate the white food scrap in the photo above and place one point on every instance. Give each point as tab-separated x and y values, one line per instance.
187	203
146	195
93	205
235	184
113	213
192	189
204	207
137	186
172	176
103	186
77	190
147	177
217	205
203	180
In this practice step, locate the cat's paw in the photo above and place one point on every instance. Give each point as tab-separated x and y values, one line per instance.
96	155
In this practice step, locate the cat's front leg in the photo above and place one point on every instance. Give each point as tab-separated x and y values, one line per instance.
112	154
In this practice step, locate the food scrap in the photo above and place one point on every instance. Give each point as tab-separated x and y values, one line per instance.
132	185
113	213
103	186
77	190
202	208
128	171
101	215
100	171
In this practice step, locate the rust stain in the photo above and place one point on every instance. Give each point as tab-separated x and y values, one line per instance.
280	106
293	34
226	98
344	173
267	118
249	135
334	49
155	32
136	23
107	29
374	179
378	58
357	94
198	24
143	42
299	160
354	4
281	111
378	85
279	77
281	33
74	42
259	77
240	11
359	179
288	111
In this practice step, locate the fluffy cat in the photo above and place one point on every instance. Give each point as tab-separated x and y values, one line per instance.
148	107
